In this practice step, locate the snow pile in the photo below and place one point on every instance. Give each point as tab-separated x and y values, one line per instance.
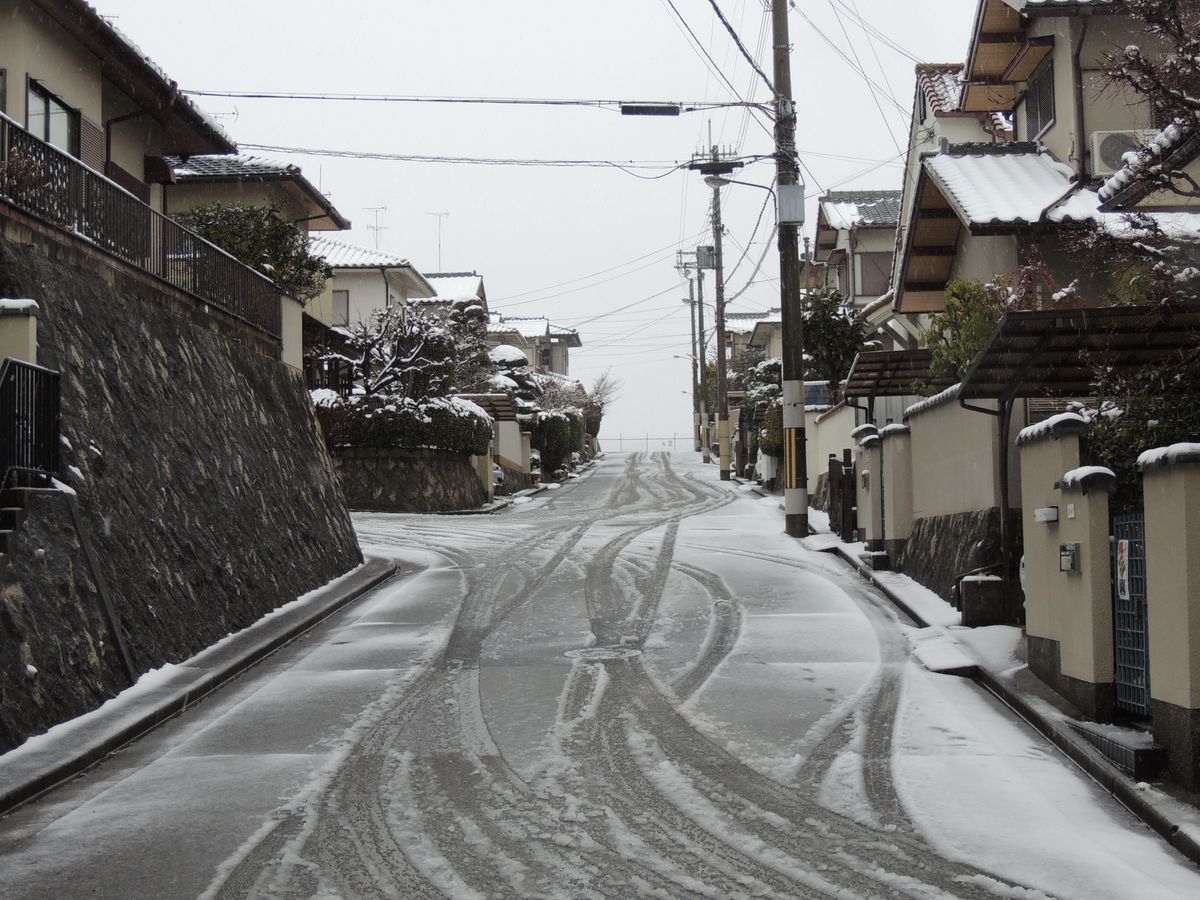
1168	456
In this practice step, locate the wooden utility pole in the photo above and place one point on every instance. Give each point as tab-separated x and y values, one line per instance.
795	467
695	362
703	359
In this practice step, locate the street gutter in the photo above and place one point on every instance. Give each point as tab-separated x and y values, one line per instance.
1123	788
73	747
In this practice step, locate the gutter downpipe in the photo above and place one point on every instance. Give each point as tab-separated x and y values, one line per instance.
1082	170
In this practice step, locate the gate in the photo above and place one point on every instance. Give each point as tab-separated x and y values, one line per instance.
1129	614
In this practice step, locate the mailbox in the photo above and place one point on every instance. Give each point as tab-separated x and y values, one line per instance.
1068	558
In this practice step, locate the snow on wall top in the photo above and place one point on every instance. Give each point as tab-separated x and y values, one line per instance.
1001	188
1063	423
858	209
1161	457
1088	478
18	307
950	393
341	255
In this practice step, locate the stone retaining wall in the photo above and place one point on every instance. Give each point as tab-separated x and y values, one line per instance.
941	548
397	480
201	475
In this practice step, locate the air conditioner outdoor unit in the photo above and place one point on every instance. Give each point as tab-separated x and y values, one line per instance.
1110	147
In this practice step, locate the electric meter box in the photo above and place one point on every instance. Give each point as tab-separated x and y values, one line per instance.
791	204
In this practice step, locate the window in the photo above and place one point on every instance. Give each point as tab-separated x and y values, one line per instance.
341	308
876	272
1039	103
49	118
545	357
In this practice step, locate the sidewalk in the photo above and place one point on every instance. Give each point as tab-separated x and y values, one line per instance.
993	657
72	747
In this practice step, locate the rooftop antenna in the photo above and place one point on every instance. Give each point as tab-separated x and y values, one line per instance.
439	217
377	228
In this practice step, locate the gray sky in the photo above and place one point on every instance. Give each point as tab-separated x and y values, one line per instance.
604	238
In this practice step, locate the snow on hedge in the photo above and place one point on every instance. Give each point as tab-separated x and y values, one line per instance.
508	355
325	397
438	423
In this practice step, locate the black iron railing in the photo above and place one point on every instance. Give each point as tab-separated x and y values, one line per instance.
29	419
54	186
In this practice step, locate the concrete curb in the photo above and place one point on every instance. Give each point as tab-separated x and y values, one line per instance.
1104	773
76	746
494	507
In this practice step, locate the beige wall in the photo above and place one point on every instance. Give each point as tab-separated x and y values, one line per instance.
508	445
1172	497
366	287
1074	609
188	196
18	337
955	460
292	332
983	257
868	471
830	435
897	485
31	47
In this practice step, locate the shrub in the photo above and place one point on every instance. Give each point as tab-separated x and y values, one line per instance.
444	423
556	436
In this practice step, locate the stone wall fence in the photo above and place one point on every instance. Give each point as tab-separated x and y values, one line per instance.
1068	569
1171	486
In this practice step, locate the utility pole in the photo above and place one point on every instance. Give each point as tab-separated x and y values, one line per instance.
705	449
713	166
722	363
691	302
795	469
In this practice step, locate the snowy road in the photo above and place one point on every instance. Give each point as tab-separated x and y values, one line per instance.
633	686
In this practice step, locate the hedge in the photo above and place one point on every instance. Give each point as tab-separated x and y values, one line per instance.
443	423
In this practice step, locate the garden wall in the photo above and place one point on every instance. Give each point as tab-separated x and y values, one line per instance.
201	474
400	480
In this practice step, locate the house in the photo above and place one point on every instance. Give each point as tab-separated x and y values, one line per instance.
73	80
363	281
855	240
456	287
767	335
250	181
546	345
740	329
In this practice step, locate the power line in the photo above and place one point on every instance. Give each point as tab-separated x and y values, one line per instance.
606	104
742	48
715	68
863	72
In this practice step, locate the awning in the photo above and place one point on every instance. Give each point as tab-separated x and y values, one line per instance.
1054	353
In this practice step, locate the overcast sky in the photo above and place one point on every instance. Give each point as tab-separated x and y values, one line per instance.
574	244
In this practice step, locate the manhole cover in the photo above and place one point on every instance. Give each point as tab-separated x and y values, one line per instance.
596	654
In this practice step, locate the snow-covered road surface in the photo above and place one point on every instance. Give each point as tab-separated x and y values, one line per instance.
633	686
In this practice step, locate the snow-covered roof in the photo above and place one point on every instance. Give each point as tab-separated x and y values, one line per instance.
861	209
456	285
940	85
341	255
990	184
744	322
1146	161
94	29
531	328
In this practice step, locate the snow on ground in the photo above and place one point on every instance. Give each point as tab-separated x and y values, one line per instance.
988	790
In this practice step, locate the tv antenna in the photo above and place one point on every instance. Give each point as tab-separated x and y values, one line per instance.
439	217
377	228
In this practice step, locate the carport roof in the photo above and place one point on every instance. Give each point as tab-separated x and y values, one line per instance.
891	373
1053	353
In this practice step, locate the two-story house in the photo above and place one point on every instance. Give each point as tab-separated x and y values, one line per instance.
856	236
364	281
74	81
546	345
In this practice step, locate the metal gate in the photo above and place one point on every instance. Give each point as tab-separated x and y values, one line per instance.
1129	614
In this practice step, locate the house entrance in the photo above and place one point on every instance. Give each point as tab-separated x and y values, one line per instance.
1129	614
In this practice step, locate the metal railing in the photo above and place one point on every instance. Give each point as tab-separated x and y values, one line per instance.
29	419
59	189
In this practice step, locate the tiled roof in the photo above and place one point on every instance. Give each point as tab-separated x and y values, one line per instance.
341	255
744	322
530	327
861	209
229	167
994	184
1146	161
456	285
940	85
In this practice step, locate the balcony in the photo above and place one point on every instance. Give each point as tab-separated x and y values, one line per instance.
57	188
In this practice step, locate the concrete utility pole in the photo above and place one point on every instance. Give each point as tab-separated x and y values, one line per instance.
705	450
722	385
795	464
691	302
